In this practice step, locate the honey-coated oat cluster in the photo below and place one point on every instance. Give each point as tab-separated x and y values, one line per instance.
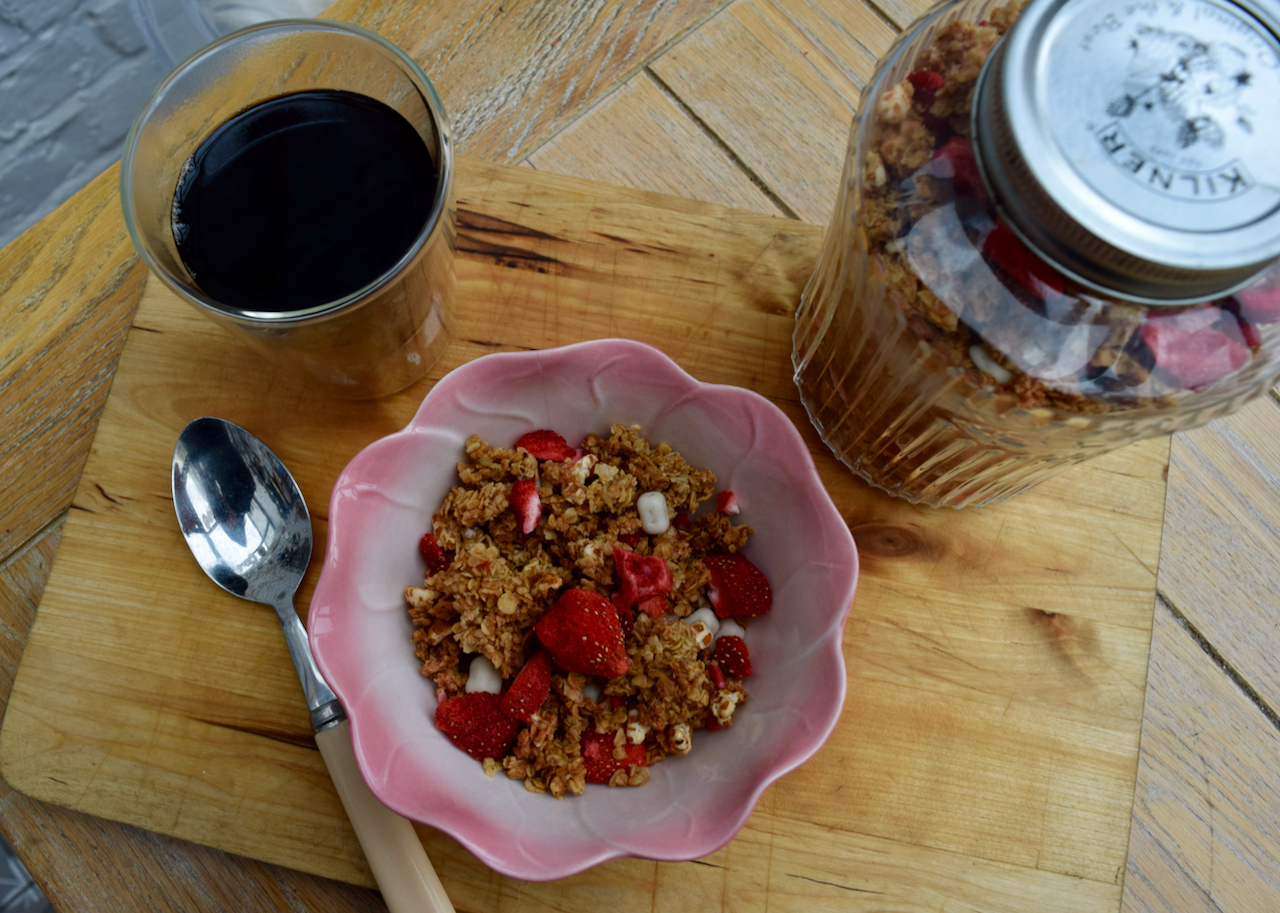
580	617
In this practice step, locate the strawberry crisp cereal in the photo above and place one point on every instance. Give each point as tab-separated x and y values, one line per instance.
579	618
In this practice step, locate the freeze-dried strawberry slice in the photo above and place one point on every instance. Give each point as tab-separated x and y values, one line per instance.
727	503
1192	347
641	576
926	84
738	588
653	606
434	555
1006	250
716	674
527	504
626	616
1261	303
529	689
965	177
731	653
475	724
597	756
547	445
582	631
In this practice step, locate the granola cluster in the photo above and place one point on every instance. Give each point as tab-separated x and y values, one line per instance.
494	582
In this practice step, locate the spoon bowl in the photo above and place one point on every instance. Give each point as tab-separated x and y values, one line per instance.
240	511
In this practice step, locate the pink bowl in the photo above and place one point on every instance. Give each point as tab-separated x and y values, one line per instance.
360	631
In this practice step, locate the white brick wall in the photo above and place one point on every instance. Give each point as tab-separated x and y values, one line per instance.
73	73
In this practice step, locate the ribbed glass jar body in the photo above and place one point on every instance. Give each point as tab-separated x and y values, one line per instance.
945	362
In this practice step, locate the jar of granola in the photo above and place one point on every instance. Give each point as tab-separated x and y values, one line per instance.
1057	233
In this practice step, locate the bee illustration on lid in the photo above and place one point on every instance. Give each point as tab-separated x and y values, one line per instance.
1184	89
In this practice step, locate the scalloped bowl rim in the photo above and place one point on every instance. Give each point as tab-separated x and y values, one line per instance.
357	616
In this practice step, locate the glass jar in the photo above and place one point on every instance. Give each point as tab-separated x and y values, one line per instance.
1057	233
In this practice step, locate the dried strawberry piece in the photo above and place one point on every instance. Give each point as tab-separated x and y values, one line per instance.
965	177
529	689
682	519
738	588
434	555
597	756
475	724
547	445
926	84
641	576
727	503
1193	347
626	617
527	504
630	540
1006	250
730	652
1261	303
582	631
654	606
716	674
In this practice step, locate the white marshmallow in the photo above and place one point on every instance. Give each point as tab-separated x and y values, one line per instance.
483	676
654	518
592	690
730	628
705	624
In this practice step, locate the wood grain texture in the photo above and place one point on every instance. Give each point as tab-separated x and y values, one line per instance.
49	412
836	35
1224	490
763	97
1207	810
996	676
67	287
88	864
512	72
639	137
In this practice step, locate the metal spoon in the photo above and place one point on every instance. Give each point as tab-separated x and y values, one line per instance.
245	521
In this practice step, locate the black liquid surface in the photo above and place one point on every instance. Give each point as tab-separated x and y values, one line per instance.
302	200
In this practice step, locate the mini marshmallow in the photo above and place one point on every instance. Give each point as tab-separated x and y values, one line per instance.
706	616
654	518
483	676
730	628
705	624
592	690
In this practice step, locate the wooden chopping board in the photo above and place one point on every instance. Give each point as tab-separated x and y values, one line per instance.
997	659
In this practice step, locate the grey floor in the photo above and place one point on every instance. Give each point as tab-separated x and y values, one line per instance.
17	893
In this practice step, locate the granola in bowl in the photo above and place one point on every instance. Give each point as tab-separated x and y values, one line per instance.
693	803
580	618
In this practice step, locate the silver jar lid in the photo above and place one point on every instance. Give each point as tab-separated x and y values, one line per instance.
1137	146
